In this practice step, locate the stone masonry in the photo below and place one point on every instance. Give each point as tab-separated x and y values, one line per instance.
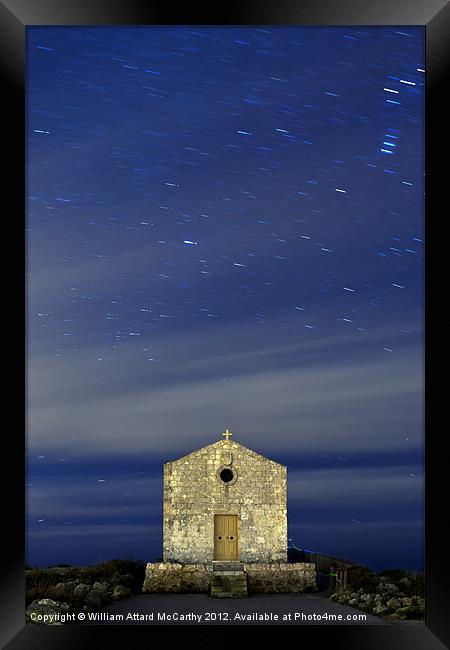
194	493
198	578
281	578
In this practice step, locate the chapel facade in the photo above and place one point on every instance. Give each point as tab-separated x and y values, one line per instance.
224	502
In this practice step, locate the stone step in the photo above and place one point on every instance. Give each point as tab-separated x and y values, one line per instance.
228	567
229	585
229	573
229	580
221	594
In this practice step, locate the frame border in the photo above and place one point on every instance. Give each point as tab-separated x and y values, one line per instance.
434	16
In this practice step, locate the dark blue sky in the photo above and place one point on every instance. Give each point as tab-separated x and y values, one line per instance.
225	229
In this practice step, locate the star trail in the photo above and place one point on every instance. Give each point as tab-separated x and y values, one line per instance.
225	228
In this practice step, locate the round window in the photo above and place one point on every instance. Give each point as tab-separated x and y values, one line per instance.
226	475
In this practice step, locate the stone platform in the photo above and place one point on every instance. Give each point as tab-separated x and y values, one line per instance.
229	578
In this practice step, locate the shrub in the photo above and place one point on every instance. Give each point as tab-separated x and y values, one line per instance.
368	581
394	575
411	583
417	584
38	582
41	583
131	572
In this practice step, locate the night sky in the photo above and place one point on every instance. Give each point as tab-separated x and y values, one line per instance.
225	229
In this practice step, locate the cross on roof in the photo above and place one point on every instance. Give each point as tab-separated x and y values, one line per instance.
227	434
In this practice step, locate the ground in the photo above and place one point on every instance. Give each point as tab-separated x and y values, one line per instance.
280	604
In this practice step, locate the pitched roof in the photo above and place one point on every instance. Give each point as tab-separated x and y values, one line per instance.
229	445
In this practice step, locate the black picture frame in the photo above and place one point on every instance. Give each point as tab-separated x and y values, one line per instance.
15	17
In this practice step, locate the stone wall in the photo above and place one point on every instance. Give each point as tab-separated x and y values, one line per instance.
177	578
194	493
280	578
165	577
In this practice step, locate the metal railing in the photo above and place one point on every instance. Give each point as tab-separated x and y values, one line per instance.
340	572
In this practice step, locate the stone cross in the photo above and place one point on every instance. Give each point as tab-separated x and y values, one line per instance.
227	434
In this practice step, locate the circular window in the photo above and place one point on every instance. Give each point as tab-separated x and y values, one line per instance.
226	475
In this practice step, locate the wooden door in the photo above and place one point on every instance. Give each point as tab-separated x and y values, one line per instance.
225	537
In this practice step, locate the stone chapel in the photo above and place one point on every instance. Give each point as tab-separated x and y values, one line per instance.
224	502
225	526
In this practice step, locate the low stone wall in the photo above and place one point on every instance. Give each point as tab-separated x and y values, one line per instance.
171	577
280	578
168	577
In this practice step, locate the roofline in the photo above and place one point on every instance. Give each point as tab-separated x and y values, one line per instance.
212	444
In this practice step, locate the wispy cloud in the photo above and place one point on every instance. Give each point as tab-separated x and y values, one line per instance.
296	400
93	500
358	487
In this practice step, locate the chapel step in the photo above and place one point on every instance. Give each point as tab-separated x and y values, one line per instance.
228	594
228	566
229	585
